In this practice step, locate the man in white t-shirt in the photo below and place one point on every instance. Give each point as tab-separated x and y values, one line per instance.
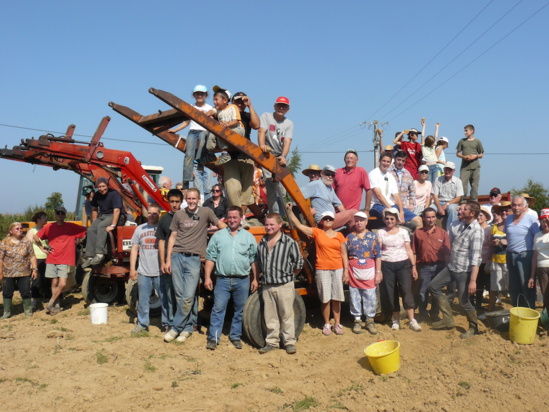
275	136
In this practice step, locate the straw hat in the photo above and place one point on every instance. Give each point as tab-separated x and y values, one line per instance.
311	168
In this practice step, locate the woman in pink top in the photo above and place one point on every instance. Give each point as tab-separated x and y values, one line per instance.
423	190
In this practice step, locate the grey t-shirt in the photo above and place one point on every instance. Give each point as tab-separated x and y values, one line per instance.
192	230
276	132
145	237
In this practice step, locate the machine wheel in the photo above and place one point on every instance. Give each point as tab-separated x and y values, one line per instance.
99	289
254	324
132	299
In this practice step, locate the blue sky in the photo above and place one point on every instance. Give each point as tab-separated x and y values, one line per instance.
339	63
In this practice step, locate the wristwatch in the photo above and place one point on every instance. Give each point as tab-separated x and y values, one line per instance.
113	226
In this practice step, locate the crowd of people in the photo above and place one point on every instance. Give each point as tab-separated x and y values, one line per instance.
496	248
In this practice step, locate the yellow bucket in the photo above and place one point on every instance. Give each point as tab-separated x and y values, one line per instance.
523	325
384	356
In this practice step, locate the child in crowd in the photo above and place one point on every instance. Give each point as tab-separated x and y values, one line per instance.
197	134
412	148
442	144
470	150
428	150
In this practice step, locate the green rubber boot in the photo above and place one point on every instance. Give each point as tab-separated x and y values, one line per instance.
27	307
448	319
7	309
473	325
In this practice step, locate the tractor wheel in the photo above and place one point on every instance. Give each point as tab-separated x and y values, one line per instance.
254	324
132	299
99	289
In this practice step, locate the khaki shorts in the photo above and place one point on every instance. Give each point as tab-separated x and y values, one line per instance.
57	271
330	285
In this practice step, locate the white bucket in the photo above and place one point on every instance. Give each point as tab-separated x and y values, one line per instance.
99	313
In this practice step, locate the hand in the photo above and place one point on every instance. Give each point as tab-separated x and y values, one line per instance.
34	274
164	269
414	272
472	287
346	276
379	278
109	229
405	131
265	148
133	274
168	268
437	125
208	284
289	207
246	100
282	160
531	283
253	285
46	250
379	132
423	121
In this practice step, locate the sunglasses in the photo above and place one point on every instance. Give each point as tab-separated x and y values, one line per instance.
328	218
329	174
60	213
423	172
216	191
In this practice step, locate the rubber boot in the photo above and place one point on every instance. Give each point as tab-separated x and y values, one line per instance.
478	299
27	307
473	325
7	309
447	321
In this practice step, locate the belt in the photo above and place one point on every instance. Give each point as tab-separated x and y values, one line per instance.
191	254
233	276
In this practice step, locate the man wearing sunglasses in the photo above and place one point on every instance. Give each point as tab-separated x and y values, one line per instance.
61	237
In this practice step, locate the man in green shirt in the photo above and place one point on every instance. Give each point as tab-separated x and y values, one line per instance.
470	150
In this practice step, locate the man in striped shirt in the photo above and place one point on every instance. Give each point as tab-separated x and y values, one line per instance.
465	259
279	259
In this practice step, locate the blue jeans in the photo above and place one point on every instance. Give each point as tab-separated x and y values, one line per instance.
225	288
193	150
426	274
168	300
185	277
203	182
445	278
146	285
451	213
433	173
519	265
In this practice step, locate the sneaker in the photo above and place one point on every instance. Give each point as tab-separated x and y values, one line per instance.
395	325
183	336
415	326
237	343
245	224
338	329
211	345
371	326
224	158
357	327
327	329
267	348
291	349
138	329
171	335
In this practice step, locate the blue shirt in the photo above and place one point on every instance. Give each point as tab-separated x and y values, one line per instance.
520	237
233	255
323	198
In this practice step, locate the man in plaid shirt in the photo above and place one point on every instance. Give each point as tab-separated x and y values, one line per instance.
465	259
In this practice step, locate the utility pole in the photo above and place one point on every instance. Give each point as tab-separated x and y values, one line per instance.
376	126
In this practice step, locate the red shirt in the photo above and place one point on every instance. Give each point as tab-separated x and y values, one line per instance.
62	239
348	186
414	157
431	247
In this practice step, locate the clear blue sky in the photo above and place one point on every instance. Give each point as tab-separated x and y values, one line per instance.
339	63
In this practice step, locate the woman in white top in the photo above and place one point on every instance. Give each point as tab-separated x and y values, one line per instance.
423	190
540	259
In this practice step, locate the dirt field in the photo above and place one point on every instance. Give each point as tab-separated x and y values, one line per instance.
65	363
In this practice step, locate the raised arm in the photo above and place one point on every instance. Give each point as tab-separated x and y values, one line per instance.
422	130
437	125
301	227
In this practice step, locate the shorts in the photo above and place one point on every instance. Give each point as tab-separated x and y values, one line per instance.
330	285
499	277
57	271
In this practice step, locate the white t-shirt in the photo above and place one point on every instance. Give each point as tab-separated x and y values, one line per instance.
384	181
205	108
541	244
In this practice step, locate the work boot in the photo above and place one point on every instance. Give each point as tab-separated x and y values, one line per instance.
447	321
357	327
27	307
7	309
371	326
473	325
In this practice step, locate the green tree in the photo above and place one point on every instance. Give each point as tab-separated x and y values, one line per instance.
54	200
295	161
537	190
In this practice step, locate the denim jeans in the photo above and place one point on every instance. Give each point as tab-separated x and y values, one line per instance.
203	181
168	300
146	285
185	277
225	288
426	274
445	278
451	213
363	301
193	150
433	173
519	265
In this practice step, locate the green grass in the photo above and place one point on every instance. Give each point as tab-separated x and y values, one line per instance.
338	405
236	385
113	339
175	384
40	386
276	389
101	358
85	312
465	385
306	403
149	367
54	321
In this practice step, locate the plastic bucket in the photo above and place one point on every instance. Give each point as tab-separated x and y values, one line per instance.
99	313
384	356
523	325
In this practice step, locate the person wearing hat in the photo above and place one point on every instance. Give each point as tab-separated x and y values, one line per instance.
447	193
351	181
249	119
499	275
540	258
106	209
495	198
275	136
61	251
412	148
529	203
324	199
364	254
312	172
483	278
423	189
196	139
470	150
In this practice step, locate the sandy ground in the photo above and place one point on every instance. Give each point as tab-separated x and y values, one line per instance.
65	363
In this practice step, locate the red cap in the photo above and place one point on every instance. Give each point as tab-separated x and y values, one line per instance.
283	100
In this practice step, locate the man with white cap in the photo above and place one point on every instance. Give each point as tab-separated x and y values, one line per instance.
275	136
447	193
350	181
324	199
